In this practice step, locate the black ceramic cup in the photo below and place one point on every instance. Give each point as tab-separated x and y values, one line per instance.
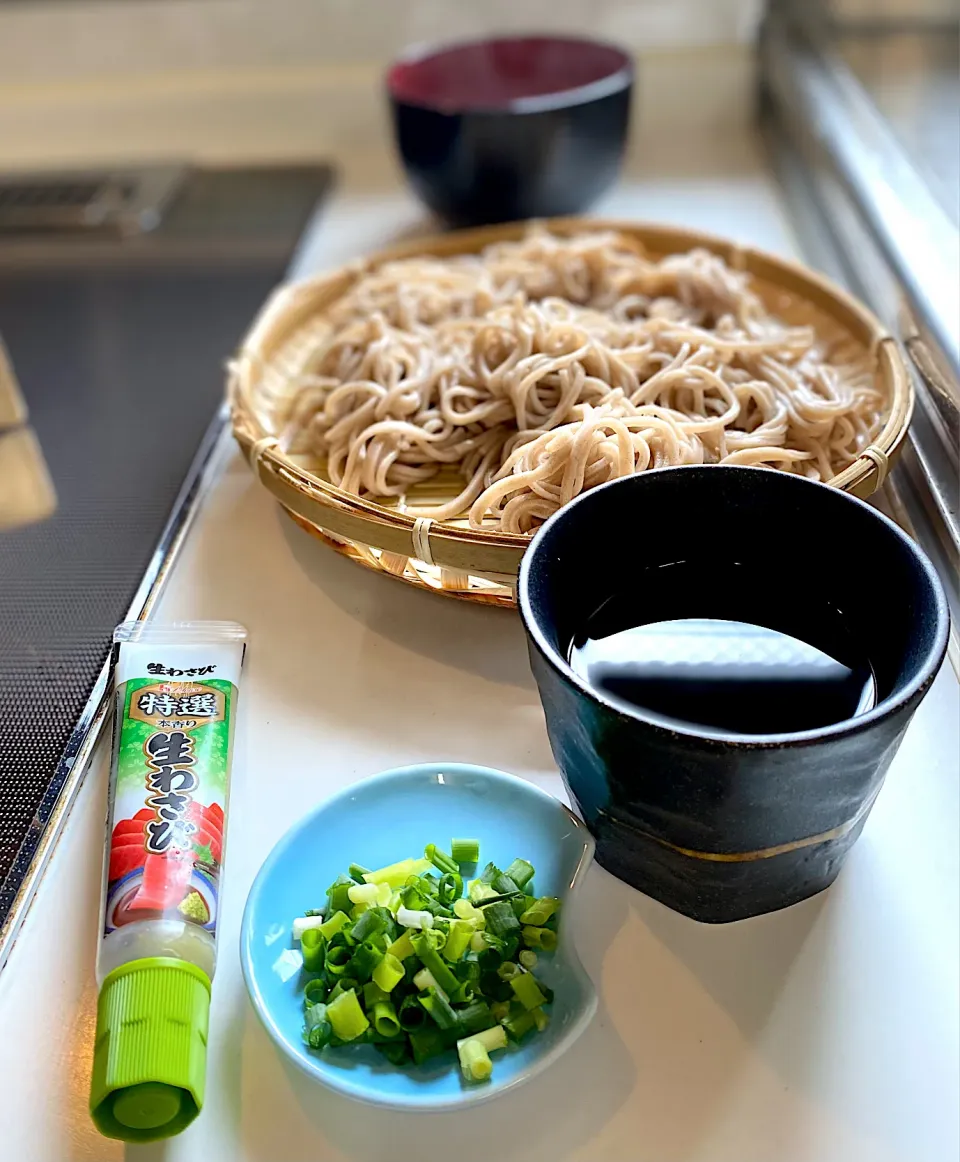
724	826
500	130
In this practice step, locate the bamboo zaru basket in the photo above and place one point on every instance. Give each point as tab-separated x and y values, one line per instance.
449	557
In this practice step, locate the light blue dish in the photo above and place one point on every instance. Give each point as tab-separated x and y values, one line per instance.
379	821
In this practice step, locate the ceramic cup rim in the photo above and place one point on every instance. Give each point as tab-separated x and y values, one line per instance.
615	81
899	698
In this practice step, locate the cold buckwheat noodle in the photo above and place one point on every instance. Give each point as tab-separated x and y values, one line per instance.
543	367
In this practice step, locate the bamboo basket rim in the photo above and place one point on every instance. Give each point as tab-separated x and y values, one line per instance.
331	509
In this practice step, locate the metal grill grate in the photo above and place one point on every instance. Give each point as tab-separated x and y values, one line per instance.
124	200
34	195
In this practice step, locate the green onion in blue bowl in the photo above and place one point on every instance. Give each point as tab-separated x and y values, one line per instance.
456	977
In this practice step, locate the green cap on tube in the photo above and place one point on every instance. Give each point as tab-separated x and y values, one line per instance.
150	1054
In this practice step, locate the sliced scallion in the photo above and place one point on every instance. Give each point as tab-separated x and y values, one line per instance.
346	1017
465	850
385	1019
406	962
313	949
475	1063
527	991
540	911
388	972
440	859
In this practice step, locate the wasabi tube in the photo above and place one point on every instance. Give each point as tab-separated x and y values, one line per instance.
175	695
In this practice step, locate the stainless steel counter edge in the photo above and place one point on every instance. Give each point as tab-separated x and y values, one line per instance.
918	240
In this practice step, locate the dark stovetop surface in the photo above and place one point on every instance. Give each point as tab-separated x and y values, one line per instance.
119	349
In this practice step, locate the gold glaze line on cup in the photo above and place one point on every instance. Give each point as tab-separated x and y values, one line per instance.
763	852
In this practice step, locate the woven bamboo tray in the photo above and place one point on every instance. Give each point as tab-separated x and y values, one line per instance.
449	557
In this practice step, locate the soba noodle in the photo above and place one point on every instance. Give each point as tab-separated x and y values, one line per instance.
544	367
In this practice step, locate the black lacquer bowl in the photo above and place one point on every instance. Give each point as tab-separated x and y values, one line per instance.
724	826
505	129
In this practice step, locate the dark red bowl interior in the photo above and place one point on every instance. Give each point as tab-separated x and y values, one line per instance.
496	74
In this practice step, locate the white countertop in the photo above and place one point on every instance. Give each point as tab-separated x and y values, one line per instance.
824	1033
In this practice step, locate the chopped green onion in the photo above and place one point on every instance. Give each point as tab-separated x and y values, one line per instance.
406	963
368	894
500	1010
337	957
477	890
402	947
489	960
302	923
371	923
475	1061
500	918
347	1017
437	910
464	910
434	937
427	1042
314	992
450	888
409	918
372	993
344	984
430	958
439	1008
334	925
317	1029
425	980
527	991
385	1019
465	850
540	911
467	968
337	894
474	1017
521	872
540	938
396	1051
492	986
414	895
335	992
519	1025
388	973
312	948
365	959
440	859
499	898
396	874
458	939
411	1014
491	1038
